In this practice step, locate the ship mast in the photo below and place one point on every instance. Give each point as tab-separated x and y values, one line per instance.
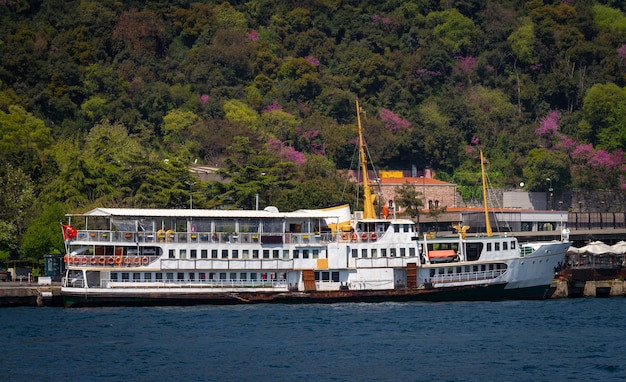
484	178
368	197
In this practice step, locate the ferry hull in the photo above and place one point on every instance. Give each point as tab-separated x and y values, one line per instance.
493	292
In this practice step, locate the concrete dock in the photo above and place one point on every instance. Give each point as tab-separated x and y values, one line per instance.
591	288
24	294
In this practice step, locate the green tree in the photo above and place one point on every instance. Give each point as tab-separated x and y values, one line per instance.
24	139
251	169
409	198
15	199
44	235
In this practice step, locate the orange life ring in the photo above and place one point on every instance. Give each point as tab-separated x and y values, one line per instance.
65	258
355	237
83	260
93	261
345	236
127	260
137	260
145	261
373	236
101	260
364	236
111	260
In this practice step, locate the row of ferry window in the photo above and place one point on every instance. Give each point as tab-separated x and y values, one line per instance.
496	246
198	276
276	253
246	254
383	252
468	269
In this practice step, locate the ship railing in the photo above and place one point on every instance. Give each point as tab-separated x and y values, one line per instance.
220	284
170	236
468	276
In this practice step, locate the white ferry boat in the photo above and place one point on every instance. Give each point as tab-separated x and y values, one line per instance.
120	256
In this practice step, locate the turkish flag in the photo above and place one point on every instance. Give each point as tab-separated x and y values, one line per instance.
69	232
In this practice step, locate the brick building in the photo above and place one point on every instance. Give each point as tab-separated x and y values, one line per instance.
434	193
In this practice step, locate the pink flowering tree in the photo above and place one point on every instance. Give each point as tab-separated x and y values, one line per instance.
392	121
204	99
465	67
313	60
288	153
310	141
548	127
253	36
272	107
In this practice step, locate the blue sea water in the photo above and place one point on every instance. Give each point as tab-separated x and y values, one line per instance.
550	340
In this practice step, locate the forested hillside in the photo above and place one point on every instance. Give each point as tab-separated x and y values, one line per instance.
108	103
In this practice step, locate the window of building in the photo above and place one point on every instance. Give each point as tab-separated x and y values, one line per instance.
285	253
192	276
233	276
180	276
266	253
496	246
305	253
364	252
204	253
325	276
170	276
392	252
296	254
316	253
136	276
335	276
125	276
355	252
402	251
255	253
113	276
193	253
158	276
243	276
183	253
383	252
488	247
202	276
245	254
235	253
222	275
224	253
171	254
214	253
505	246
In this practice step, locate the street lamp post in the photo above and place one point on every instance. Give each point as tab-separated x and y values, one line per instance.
550	195
190	184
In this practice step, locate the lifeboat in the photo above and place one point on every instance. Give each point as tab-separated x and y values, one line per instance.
442	256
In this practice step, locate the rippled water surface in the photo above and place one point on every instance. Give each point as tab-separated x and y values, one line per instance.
552	340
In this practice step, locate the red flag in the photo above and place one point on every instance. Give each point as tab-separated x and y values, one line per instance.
69	232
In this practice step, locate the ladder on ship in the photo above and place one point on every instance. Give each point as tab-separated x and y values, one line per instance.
308	276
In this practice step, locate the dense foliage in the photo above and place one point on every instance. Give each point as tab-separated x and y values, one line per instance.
107	103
